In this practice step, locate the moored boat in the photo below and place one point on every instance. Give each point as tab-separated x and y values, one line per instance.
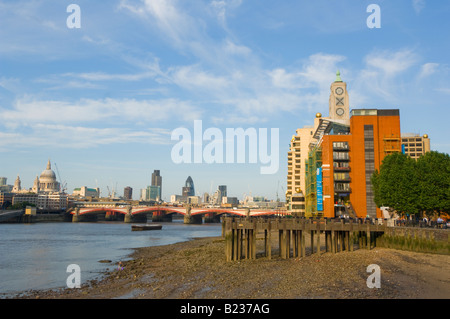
146	227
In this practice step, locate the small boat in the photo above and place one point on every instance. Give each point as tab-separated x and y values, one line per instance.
146	227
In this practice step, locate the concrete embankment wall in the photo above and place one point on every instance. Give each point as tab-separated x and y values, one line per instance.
44	218
425	240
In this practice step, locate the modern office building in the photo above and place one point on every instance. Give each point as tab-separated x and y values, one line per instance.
222	192
86	192
43	201
4	187
128	193
231	201
343	158
153	193
415	145
297	154
188	189
157	181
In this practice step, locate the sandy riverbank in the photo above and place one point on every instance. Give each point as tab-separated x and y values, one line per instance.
197	270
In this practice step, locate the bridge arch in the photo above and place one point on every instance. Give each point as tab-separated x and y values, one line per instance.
98	210
219	212
151	209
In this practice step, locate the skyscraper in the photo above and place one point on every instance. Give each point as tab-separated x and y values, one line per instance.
128	193
154	193
188	189
157	181
222	193
223	190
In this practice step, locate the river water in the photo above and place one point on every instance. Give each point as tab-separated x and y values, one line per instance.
36	256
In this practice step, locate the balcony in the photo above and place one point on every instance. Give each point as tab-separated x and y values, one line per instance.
341	159
341	169
349	190
342	179
342	188
341	148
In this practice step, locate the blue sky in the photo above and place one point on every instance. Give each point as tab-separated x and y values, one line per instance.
102	100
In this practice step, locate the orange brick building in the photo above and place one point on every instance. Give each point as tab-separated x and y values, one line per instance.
343	159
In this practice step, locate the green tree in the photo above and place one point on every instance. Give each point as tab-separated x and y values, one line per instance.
21	205
433	168
396	184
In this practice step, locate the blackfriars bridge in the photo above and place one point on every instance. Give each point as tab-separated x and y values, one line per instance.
192	215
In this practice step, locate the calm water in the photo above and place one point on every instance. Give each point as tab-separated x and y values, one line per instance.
36	256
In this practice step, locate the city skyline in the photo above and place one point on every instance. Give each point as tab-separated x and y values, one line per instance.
102	101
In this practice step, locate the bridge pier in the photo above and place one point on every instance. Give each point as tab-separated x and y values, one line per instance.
196	219
130	218
78	218
161	217
111	216
211	218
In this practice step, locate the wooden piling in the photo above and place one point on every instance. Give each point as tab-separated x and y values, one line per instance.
241	236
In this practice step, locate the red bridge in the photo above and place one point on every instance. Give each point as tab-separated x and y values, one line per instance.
165	213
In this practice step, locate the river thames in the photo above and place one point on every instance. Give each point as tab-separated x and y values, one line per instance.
36	256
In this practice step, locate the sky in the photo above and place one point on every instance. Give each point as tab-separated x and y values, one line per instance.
101	99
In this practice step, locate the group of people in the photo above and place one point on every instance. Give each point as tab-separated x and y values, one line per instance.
425	222
439	222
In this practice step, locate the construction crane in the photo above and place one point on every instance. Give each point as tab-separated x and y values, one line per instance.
278	186
62	186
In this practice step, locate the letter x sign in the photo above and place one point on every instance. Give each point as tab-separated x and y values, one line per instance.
340	101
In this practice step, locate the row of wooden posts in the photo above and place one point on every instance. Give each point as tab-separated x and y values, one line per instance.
241	236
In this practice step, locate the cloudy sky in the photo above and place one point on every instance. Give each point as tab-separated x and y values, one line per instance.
101	101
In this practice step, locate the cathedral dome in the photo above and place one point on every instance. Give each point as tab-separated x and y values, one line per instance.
47	180
48	173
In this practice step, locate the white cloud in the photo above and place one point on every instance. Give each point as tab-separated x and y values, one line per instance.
102	76
66	136
126	111
221	7
235	49
418	5
385	76
391	63
193	77
428	69
318	69
258	95
443	90
178	27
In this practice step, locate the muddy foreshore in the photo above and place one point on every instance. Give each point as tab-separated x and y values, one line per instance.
197	269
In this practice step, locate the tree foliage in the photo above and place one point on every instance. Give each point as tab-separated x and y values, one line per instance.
433	170
410	186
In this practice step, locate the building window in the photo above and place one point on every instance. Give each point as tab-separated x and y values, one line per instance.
369	156
340	145
342	187
341	176
341	156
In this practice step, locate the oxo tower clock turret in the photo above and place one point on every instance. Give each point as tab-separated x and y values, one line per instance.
339	103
